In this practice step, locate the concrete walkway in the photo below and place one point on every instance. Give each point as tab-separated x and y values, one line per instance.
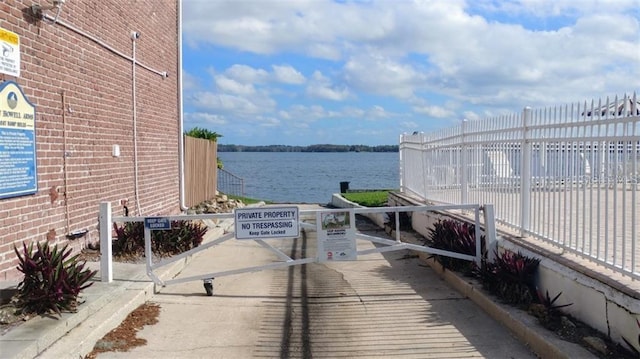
388	305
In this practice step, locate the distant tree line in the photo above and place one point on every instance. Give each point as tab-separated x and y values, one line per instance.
310	148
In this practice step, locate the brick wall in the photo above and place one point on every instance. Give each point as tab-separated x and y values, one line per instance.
83	93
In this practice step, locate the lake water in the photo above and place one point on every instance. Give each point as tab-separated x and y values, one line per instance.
310	177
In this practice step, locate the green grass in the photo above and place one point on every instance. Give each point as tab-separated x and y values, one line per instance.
247	200
368	199
363	198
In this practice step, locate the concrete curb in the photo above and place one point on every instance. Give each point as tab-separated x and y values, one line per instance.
106	305
541	341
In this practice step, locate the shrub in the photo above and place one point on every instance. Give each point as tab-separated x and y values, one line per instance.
129	239
511	277
182	236
454	236
52	280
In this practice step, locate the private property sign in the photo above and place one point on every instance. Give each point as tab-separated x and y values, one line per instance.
267	222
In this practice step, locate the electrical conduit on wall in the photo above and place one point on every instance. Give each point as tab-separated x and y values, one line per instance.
134	64
134	36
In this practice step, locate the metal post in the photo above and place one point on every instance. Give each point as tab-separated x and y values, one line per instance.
490	232
478	259
422	152
401	164
106	257
464	191
147	249
525	173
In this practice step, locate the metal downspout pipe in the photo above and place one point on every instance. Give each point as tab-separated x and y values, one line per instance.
134	36
183	207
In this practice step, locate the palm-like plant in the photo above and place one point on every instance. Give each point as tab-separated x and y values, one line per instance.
52	280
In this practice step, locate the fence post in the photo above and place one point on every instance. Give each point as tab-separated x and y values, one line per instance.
400	164
491	244
525	173
464	191
106	260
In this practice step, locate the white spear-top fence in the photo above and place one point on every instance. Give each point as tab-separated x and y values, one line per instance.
568	174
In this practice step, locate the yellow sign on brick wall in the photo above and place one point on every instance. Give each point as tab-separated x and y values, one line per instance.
9	53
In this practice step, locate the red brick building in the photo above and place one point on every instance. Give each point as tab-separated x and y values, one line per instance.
103	78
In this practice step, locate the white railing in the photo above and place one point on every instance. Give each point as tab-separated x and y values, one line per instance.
310	220
568	174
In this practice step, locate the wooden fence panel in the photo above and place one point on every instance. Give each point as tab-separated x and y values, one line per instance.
200	166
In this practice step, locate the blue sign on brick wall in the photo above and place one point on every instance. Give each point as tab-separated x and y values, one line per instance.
18	170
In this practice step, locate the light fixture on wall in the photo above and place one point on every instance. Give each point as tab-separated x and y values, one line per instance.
37	10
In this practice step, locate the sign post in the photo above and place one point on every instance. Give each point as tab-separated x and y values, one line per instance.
153	224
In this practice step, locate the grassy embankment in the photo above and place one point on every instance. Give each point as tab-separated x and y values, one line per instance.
367	199
247	200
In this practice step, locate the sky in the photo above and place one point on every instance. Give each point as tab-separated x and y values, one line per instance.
266	72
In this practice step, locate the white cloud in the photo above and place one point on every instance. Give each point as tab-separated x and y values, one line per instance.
203	119
232	104
320	86
434	111
409	125
378	112
268	122
546	8
434	59
287	74
189	81
380	75
246	74
227	85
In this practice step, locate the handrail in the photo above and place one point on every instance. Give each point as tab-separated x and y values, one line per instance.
229	183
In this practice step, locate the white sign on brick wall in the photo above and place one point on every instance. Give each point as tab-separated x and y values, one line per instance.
9	53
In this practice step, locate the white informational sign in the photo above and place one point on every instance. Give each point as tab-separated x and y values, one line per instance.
267	222
9	53
337	236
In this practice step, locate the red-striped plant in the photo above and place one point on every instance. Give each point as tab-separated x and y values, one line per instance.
182	236
454	236
52	280
512	277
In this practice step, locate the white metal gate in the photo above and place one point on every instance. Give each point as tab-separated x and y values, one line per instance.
326	222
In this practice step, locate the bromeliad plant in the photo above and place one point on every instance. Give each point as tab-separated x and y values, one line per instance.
454	236
182	236
512	277
53	278
547	311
